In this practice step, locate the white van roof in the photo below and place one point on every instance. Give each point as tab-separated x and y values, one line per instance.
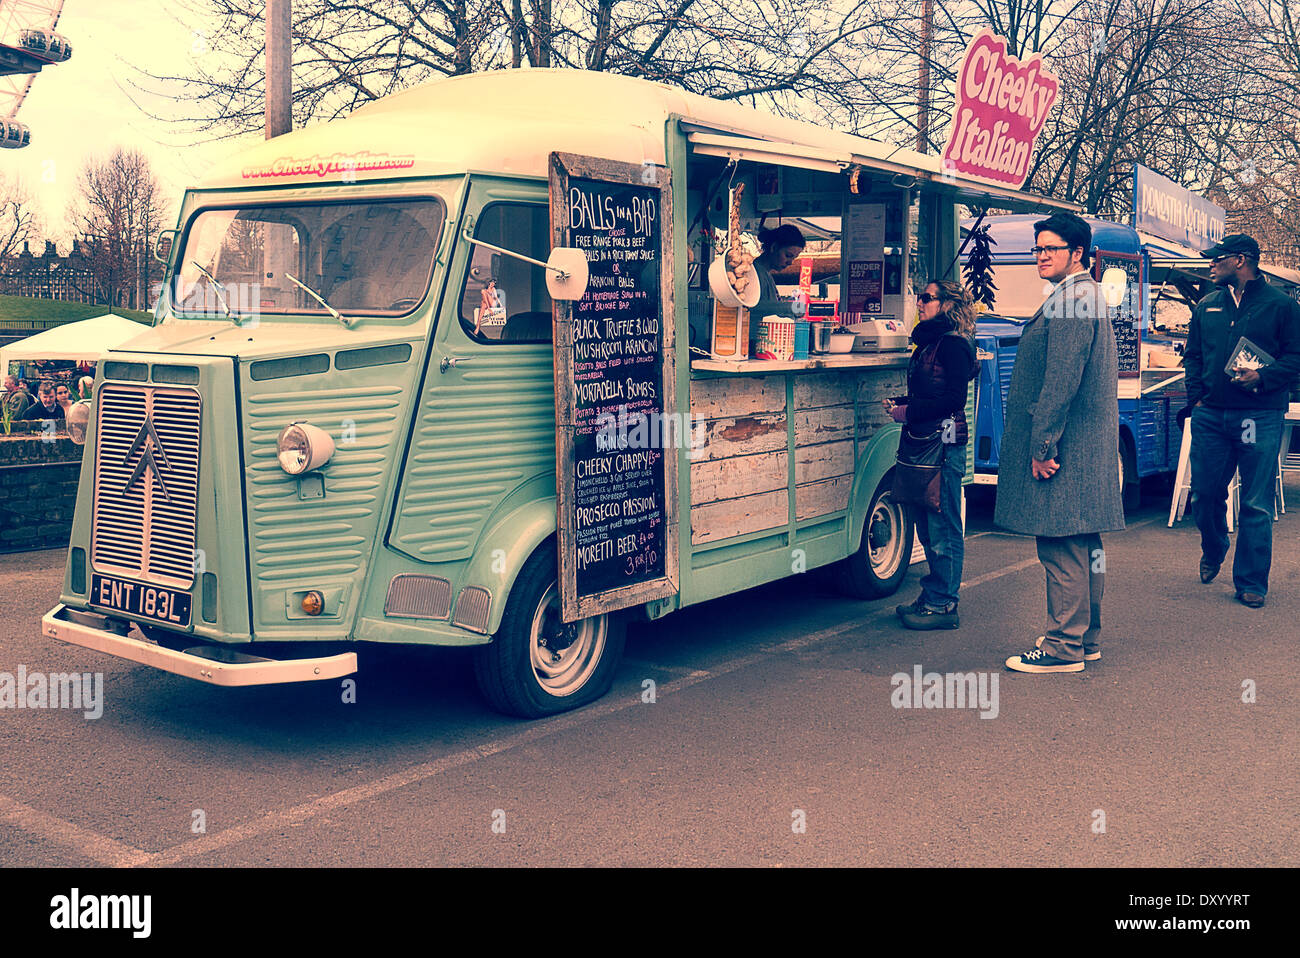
509	121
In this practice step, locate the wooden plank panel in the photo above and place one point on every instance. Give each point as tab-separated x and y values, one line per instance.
825	389
871	390
744	436
824	424
738	396
737	517
738	476
822	498
824	461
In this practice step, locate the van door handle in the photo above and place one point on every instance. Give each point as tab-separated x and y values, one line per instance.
449	361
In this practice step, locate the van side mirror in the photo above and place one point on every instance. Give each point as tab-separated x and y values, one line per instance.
162	249
566	273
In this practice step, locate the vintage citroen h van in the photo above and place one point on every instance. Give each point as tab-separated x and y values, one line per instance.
342	426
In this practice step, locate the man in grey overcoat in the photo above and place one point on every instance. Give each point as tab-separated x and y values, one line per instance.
1058	473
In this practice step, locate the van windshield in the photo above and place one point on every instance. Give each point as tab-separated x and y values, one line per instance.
363	257
1020	290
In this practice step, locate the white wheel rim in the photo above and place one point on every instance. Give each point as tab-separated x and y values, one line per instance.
562	671
884	534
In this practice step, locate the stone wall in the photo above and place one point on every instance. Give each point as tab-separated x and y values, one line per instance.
38	488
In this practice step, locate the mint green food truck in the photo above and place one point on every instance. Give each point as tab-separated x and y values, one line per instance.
430	375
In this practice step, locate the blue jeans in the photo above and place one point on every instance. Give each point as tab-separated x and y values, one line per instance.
1223	442
941	535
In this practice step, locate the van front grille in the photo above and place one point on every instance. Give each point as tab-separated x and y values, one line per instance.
146	483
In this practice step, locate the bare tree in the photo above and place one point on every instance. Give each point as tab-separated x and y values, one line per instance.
118	207
18	219
346	54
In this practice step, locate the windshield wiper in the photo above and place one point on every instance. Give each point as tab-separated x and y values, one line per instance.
319	298
216	286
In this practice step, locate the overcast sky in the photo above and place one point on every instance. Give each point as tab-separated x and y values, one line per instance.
87	105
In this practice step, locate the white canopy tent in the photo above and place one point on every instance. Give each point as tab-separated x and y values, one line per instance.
83	341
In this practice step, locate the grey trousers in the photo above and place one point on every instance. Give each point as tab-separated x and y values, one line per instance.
1076	571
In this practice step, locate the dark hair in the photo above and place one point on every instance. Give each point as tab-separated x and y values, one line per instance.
1071	228
46	384
787	234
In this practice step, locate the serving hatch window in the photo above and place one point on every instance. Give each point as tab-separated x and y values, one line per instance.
366	257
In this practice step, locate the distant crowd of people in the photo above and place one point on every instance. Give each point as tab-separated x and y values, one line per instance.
48	399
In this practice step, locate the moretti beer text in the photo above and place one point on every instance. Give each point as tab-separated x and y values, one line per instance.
617	365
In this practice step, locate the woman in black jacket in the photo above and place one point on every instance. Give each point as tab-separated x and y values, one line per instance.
941	367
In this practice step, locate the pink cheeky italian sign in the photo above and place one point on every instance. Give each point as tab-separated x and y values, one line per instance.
1002	105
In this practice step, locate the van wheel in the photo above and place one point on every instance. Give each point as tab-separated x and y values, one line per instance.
536	664
879	566
1130	484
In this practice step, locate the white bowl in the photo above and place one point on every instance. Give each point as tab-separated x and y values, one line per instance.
841	342
722	289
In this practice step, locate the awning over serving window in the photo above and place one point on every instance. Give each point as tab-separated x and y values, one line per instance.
926	170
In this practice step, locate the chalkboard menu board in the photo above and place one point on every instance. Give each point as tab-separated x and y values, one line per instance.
1126	318
615	379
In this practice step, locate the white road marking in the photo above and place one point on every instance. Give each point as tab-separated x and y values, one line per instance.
106	851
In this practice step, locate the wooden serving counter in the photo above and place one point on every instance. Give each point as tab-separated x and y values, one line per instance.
778	444
823	361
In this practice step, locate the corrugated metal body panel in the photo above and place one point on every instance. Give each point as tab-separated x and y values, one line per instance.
482	430
1006	363
295	538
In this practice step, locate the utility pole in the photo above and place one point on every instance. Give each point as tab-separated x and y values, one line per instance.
923	78
279	53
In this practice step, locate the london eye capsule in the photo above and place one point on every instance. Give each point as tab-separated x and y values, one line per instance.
14	135
45	44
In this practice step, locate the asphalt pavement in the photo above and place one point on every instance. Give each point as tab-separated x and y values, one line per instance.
773	738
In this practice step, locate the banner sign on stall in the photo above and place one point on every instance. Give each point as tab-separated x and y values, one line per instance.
615	385
1126	318
1002	105
1163	208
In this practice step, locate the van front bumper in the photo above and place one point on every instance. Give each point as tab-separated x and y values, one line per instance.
215	665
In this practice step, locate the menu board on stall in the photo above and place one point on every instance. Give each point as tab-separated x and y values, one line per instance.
616	430
1126	318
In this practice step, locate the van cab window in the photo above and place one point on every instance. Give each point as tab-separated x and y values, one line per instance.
505	299
365	257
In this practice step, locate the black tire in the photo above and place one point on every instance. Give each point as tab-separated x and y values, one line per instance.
1130	482
879	566
512	671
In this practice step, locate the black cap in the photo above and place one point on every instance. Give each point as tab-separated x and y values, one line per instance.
1233	243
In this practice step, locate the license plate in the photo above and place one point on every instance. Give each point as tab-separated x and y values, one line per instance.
155	602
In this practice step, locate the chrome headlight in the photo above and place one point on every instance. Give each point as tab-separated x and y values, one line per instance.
303	447
76	419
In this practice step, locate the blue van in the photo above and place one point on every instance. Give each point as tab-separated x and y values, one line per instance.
1149	398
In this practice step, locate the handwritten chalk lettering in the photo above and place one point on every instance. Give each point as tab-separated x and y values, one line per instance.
616	369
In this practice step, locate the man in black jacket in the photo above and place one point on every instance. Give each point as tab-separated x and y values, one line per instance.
1237	416
46	406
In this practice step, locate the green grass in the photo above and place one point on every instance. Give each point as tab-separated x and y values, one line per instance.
27	312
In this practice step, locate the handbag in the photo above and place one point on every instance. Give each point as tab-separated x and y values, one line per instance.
918	470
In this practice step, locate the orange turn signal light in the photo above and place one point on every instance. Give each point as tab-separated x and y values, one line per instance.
313	603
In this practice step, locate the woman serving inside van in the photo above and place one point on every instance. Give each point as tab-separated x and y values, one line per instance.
780	247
